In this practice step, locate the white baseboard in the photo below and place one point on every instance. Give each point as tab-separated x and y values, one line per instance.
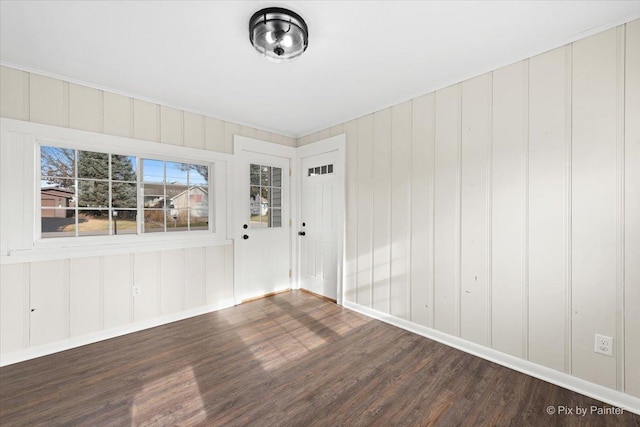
621	400
67	344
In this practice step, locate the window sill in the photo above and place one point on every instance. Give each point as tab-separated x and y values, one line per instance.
51	250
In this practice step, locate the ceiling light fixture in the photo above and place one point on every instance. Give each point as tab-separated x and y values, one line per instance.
278	34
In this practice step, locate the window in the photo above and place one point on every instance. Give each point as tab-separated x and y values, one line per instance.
176	196
89	193
265	196
320	170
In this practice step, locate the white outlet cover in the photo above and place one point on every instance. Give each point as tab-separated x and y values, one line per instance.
604	345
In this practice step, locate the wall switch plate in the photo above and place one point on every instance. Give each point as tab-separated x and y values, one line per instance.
137	291
604	345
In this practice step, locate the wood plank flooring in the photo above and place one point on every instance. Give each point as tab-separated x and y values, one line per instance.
288	360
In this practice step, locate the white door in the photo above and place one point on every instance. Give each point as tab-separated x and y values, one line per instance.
319	225
262	235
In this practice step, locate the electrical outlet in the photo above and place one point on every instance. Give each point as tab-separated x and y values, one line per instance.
604	345
137	290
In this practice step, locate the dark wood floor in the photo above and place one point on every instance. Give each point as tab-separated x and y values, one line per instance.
291	359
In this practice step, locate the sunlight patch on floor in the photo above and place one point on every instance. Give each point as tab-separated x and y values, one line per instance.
181	401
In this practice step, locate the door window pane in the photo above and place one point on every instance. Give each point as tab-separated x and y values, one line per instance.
265	192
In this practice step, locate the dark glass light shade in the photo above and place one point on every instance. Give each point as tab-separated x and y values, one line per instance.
278	34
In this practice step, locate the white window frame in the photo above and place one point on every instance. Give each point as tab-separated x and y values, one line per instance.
31	136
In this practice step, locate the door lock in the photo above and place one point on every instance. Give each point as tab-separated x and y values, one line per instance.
245	237
301	233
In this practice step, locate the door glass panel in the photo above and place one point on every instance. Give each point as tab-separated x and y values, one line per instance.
265	192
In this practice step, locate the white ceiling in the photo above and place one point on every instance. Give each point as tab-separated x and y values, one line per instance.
362	56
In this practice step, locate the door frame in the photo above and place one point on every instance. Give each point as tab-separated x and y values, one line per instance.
338	144
242	145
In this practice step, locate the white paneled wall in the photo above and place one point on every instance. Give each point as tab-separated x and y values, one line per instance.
51	301
54	302
36	98
505	210
632	211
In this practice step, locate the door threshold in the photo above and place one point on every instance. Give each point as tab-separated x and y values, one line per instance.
319	296
270	294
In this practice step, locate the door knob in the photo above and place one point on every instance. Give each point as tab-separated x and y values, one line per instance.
245	237
301	233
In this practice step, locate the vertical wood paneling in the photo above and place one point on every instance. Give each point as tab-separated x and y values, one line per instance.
381	189
193	130
48	100
632	210
85	108
548	190
14	307
215	272
474	259
49	300
230	129
14	93
194	277
118	282
171	281
228	273
118	114
351	212
85	296
422	168
401	210
508	200
16	217
214	134
365	212
447	210
146	274
594	204
146	120
171	126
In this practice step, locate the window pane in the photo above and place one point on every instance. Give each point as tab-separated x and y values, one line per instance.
152	171
276	217
276	180
123	168
93	165
124	221
177	220
330	169
265	193
57	162
58	222
323	170
153	220
198	175
177	194
199	205
153	195
59	195
93	223
124	195
276	197
256	206
265	175
177	173
317	170
254	171
93	194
